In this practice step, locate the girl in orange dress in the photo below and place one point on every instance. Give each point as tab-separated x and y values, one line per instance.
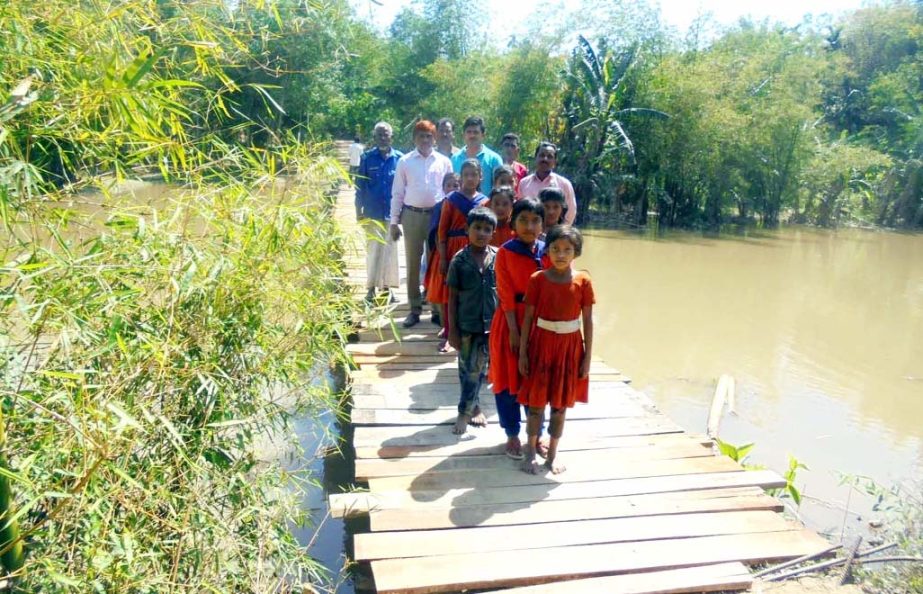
501	202
451	235
449	184
554	357
516	261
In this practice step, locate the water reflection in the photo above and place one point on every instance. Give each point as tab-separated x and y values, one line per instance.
823	331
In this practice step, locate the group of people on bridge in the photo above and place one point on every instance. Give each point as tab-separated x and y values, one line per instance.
491	237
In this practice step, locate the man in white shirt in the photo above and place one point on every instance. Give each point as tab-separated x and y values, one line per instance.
546	159
355	156
416	190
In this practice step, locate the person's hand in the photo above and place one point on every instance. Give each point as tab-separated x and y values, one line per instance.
514	342
524	365
443	267
395	232
455	339
584	367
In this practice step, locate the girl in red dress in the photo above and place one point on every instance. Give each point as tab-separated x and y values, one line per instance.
554	357
501	202
516	261
451	234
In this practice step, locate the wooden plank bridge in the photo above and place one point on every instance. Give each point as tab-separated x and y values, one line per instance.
643	507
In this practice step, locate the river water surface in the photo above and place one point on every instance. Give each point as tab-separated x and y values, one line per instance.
822	330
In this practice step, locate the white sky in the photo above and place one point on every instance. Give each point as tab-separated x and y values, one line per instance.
677	13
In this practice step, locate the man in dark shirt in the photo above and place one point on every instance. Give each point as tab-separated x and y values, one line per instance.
373	208
472	301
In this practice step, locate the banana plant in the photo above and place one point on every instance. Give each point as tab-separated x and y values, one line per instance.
597	109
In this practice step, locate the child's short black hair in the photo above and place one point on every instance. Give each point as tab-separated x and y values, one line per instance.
552	195
482	214
547	144
504	190
510	137
500	170
567	233
527	205
471	163
357	138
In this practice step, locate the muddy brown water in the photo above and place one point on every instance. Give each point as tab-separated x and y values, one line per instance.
822	330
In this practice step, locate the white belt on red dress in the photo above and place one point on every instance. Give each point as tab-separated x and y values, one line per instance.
561	327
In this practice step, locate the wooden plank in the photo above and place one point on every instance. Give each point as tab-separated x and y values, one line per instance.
579	469
445	374
655	504
447	415
704	578
406	396
370	468
427	543
506	568
484	447
400	391
434	436
437	361
492	500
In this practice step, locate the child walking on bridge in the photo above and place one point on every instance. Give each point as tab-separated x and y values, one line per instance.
470	310
554	358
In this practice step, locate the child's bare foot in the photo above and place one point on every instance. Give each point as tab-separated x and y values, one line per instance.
554	466
528	462
542	448
461	424
478	419
513	448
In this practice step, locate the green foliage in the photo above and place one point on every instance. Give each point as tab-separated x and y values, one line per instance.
149	346
901	514
794	465
737	453
740	454
596	149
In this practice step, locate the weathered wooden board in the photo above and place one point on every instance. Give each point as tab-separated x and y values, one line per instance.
704	578
580	469
380	467
445	374
438	361
502	568
566	511
408	397
447	415
488	446
427	543
521	495
415	435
